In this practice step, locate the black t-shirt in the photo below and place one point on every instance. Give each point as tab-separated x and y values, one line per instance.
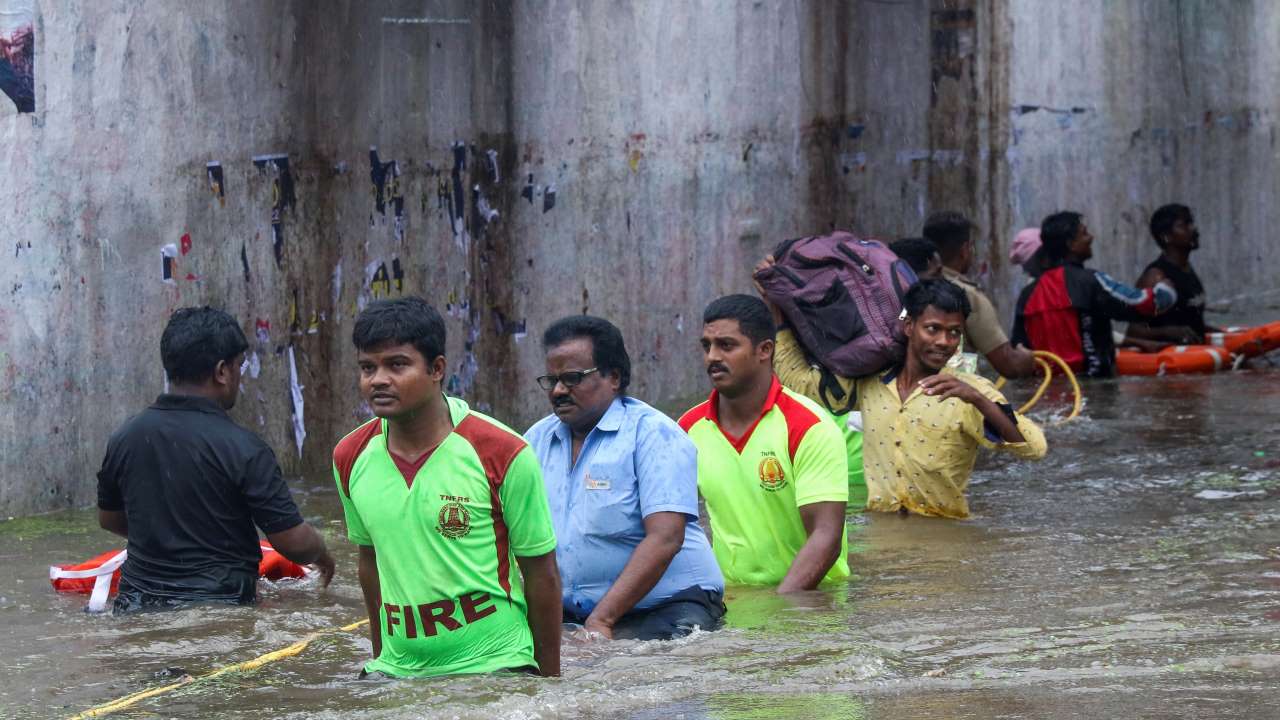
1189	309
192	485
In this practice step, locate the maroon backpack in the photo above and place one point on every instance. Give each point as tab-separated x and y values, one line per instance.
843	296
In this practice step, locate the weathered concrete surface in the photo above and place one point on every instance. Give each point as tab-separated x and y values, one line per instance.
133	99
1117	108
682	141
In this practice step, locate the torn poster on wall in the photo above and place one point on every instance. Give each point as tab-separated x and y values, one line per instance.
386	190
295	395
281	197
214	171
484	212
18	53
457	211
252	366
380	286
262	333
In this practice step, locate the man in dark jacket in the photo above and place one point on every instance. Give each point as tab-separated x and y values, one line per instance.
1068	309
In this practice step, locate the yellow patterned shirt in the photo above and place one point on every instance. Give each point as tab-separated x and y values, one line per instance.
916	454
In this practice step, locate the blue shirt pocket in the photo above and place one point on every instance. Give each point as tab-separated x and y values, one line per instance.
610	505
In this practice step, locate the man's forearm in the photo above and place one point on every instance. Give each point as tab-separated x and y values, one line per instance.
642	572
371	588
545	611
301	543
996	418
811	564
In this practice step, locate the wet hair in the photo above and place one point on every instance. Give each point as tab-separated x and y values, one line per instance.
1164	217
195	340
608	351
402	321
752	314
941	294
916	251
949	231
1056	233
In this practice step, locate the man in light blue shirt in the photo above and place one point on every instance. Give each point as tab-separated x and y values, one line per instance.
622	480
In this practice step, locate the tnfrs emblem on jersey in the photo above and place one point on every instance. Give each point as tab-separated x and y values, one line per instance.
454	520
772	478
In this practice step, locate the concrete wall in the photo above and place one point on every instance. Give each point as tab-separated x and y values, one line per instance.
682	141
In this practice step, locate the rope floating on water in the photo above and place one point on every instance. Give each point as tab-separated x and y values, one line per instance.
254	664
1043	359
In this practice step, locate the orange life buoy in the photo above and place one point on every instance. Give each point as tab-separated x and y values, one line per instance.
1178	360
1248	341
99	576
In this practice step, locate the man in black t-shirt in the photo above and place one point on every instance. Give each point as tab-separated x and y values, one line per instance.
1174	230
185	485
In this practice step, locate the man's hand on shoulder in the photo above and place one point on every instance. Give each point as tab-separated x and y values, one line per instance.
945	386
763	265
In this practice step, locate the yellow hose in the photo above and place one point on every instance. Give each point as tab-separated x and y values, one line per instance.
1043	359
254	664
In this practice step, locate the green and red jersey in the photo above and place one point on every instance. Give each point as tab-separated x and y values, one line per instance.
793	455
446	533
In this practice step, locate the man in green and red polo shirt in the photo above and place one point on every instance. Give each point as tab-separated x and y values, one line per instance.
772	464
440	500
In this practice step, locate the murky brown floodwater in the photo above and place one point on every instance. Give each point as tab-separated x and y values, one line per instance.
1134	573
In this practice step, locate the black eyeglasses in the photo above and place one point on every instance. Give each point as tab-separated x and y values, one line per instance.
568	379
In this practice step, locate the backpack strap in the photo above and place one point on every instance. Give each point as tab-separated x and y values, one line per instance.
830	393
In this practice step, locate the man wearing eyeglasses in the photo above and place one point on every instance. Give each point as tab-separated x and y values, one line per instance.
621	479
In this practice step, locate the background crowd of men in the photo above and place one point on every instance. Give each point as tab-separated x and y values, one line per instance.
477	545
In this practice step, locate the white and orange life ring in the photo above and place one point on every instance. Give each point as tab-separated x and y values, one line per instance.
1247	341
1178	360
1222	351
99	576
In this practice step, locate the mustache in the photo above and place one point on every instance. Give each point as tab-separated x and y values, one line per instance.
562	401
717	366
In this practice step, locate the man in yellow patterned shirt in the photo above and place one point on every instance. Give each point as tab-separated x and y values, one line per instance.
923	422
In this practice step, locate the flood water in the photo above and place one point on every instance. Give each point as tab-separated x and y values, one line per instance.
1134	573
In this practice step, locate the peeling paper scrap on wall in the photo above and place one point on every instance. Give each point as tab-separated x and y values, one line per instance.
336	282
295	393
244	262
216	182
493	165
549	198
487	213
168	261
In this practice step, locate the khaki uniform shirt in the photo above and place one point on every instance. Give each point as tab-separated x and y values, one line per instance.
982	327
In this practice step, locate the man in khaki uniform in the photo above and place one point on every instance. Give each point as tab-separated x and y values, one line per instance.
953	234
